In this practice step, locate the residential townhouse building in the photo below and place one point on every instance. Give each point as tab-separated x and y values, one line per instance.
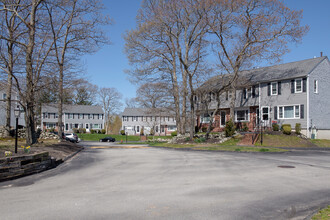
290	93
15	104
74	116
136	119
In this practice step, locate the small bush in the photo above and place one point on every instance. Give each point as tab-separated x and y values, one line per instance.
230	128
187	139
142	131
82	130
152	132
103	131
237	149
245	127
204	129
203	139
75	130
263	150
276	127
298	128
174	133
93	131
286	129
122	132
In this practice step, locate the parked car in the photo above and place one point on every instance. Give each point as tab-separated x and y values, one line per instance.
108	139
72	137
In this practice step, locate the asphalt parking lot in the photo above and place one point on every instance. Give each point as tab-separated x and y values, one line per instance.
107	181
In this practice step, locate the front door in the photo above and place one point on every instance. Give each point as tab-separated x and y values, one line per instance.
222	119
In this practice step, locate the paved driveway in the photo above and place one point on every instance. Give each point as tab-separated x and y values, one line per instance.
150	183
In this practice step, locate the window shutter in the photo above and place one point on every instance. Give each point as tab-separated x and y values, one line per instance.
244	93
304	84
268	89
275	112
253	91
302	111
279	88
292	86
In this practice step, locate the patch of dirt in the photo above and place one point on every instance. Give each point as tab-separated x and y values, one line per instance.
208	141
59	150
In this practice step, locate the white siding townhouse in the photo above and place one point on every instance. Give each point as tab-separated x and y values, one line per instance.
74	116
15	104
135	119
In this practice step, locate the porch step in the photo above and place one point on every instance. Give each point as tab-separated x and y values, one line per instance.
246	140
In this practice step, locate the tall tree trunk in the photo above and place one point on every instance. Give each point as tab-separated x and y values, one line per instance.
9	88
29	114
60	101
232	103
176	97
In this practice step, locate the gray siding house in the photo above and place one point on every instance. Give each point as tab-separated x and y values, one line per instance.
15	104
161	121
288	93
74	116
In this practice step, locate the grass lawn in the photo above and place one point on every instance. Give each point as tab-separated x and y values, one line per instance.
97	137
230	145
321	142
323	214
283	141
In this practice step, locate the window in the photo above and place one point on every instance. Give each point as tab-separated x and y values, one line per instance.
80	116
156	129
4	96
70	116
265	113
66	126
205	119
50	125
45	115
86	126
96	126
241	115
171	127
76	125
135	118
316	86
125	118
289	112
137	128
56	115
298	85
274	88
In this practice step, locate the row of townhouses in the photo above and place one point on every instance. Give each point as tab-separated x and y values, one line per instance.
136	120
290	93
74	117
14	104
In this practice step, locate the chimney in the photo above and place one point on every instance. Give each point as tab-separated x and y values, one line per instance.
321	54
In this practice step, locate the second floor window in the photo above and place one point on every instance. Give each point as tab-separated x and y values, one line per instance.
4	96
125	118
70	116
316	86
298	85
274	88
135	118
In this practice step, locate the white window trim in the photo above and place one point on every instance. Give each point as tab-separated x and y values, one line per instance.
242	109
295	85
261	113
316	86
225	119
271	88
294	111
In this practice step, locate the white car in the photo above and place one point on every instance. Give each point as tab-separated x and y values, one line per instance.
72	137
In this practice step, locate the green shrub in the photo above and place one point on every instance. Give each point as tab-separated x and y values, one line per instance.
81	130
286	129
93	131
174	133
276	127
298	128
142	131
230	128
245	127
204	129
199	140
187	139
122	132
103	131
75	130
203	139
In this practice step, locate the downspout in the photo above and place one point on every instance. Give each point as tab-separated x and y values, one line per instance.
64	127
308	125
259	106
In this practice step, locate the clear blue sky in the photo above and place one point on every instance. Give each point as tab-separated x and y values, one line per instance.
106	67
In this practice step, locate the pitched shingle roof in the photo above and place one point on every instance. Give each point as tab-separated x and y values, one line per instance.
146	112
80	109
271	73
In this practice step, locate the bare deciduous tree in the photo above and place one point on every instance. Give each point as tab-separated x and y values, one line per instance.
111	103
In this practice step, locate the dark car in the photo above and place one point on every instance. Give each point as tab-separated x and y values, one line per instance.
108	139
